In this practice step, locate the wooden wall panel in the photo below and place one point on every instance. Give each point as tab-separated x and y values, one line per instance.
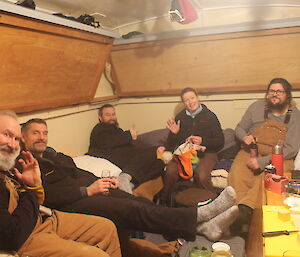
232	62
43	65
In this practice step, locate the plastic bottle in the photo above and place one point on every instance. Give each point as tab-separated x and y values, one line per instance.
221	249
277	157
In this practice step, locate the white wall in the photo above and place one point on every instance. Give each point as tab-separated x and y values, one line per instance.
70	127
152	113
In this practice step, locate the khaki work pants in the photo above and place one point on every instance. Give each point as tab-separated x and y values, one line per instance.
248	186
72	235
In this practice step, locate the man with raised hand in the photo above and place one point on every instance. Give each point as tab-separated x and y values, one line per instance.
71	189
31	233
109	141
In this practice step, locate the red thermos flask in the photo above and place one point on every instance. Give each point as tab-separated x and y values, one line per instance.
277	158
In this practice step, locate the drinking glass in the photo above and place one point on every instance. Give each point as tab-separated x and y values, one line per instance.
105	174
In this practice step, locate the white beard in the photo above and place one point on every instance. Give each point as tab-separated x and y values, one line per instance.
8	162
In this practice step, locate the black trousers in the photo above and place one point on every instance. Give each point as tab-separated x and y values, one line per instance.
137	213
139	162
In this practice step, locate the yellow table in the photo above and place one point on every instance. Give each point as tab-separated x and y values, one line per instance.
277	246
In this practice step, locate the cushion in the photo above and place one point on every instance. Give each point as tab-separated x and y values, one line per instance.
149	188
159	137
156	137
96	165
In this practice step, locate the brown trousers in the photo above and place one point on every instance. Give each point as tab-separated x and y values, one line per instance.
247	185
202	175
72	235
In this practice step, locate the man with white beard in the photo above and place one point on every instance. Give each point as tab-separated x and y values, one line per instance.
27	231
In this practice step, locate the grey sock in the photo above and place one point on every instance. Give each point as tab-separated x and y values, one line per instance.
216	227
125	184
224	201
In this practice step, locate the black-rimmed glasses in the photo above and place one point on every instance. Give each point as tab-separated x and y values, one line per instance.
278	92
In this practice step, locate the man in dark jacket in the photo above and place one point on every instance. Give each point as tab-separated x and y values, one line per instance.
109	141
31	233
200	126
74	190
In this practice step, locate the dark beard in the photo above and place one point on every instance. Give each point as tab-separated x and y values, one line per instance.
114	123
277	107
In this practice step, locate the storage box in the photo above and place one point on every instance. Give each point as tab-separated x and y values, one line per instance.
275	183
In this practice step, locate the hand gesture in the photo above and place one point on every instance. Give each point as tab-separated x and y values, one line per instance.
99	186
173	126
252	164
160	149
194	140
31	175
248	140
133	132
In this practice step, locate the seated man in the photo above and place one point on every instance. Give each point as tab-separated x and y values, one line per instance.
264	123
109	141
74	190
23	228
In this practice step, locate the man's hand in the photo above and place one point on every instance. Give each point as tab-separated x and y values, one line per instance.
31	175
99	186
173	126
252	164
114	183
160	149
133	132
194	140
248	140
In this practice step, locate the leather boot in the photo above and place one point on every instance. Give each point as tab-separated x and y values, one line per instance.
241	225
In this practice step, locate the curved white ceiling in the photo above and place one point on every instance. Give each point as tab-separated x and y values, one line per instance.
121	12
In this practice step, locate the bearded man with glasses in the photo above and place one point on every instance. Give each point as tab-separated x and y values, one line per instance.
264	123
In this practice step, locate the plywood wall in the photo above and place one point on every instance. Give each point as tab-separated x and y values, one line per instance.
43	65
233	62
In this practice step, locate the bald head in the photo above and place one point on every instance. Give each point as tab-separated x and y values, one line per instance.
10	134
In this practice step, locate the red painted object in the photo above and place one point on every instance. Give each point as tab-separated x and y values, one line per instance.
275	183
277	158
277	161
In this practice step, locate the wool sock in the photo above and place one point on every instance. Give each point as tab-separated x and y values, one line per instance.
216	227
125	184
208	210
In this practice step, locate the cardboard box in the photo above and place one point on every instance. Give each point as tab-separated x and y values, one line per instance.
275	183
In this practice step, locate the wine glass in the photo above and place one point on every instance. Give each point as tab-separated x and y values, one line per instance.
105	174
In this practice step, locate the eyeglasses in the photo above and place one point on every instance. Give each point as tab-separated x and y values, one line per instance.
278	92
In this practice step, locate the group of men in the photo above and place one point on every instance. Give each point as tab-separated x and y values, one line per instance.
42	175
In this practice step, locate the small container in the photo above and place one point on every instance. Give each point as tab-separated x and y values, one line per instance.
277	157
221	249
200	252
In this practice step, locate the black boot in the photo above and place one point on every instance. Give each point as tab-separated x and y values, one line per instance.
241	225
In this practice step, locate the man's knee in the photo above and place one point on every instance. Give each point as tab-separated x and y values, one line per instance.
105	224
